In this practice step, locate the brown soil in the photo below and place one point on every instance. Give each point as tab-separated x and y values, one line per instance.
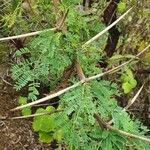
15	134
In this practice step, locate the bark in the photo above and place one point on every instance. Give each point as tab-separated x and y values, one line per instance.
109	17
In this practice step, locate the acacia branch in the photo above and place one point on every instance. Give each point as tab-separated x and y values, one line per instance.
120	66
80	71
30	116
106	29
37	32
79	83
49	96
26	34
133	99
63	20
107	126
130	102
56	28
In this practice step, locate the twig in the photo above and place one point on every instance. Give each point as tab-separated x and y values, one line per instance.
26	34
105	125
5	81
87	4
37	32
49	97
63	20
29	3
78	83
128	134
106	29
133	99
80	71
101	123
143	51
130	102
46	104
30	116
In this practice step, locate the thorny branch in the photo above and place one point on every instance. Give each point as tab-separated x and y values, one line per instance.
37	32
130	102
106	29
107	126
63	20
80	82
101	123
30	116
79	71
54	29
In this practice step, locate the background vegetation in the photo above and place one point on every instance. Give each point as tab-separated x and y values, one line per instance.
88	112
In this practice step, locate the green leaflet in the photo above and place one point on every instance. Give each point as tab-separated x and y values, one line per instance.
48	126
45	137
121	6
22	101
26	111
44	123
128	81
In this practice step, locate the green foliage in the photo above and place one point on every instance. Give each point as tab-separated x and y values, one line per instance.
46	62
136	31
83	103
49	54
45	137
19	16
128	81
22	101
83	132
47	125
121	6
